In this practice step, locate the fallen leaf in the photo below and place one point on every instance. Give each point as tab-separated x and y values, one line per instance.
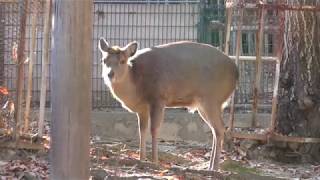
4	90
166	165
103	158
133	155
162	173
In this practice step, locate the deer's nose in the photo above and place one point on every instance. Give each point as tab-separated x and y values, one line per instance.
110	74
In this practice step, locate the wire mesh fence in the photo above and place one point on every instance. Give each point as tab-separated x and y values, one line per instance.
9	35
9	40
150	23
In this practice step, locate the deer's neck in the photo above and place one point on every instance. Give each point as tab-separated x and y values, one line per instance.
126	92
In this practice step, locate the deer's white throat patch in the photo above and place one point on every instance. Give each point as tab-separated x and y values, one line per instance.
105	71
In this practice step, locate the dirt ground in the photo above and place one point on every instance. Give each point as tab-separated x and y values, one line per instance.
114	159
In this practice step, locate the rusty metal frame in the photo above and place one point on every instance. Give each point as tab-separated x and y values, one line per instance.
270	135
281	7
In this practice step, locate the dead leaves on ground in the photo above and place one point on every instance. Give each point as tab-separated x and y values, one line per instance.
30	168
118	160
178	160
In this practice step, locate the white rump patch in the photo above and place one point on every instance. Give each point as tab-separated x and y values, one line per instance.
226	103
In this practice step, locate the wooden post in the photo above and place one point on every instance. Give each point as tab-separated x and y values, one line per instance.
259	50
20	67
31	59
238	52
71	59
45	61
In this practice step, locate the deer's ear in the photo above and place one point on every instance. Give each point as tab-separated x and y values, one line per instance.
131	48
103	45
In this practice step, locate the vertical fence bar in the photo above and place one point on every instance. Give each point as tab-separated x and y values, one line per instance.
20	66
259	50
220	33
32	56
2	43
229	10
277	73
239	32
45	61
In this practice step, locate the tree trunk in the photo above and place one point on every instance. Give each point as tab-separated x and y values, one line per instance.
299	86
71	89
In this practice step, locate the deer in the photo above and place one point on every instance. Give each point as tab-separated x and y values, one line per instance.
184	74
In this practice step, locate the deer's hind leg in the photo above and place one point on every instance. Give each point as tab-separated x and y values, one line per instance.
211	114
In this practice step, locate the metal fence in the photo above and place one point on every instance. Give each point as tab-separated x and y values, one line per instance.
9	40
9	35
148	22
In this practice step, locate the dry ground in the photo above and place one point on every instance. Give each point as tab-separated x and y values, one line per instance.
116	159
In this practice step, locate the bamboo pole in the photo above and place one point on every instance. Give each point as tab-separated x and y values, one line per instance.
45	60
20	67
2	44
220	32
277	74
31	59
254	58
229	19
238	45
259	50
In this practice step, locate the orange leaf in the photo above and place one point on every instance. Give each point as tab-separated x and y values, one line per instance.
178	177
4	90
162	173
103	158
165	165
133	155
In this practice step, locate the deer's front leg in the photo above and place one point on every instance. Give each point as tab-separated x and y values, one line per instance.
156	118
143	119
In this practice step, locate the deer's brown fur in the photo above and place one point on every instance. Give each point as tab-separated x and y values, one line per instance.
181	74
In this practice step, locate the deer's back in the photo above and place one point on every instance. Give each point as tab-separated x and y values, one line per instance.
180	72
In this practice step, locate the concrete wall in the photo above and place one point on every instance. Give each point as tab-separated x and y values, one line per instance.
178	125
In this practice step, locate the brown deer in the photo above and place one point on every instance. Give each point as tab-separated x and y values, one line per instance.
181	74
